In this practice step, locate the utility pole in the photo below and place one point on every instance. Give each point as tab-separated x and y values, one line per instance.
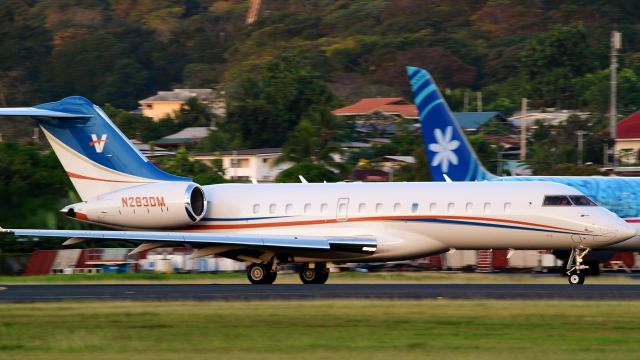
616	44
466	101
580	134
479	100
523	130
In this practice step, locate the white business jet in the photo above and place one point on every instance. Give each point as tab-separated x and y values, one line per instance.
267	225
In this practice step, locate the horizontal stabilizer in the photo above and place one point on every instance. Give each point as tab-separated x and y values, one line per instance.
39	112
358	244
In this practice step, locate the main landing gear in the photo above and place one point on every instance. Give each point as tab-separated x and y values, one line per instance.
573	270
318	274
261	273
314	273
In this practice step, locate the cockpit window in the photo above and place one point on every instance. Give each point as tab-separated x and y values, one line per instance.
581	200
556	200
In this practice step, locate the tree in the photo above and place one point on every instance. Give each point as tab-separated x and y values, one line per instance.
552	60
316	139
311	172
125	85
264	109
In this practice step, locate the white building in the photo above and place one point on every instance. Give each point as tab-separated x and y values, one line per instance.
245	165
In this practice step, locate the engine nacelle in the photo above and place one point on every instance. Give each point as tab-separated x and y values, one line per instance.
152	206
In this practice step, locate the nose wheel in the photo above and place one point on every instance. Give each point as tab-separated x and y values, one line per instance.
575	265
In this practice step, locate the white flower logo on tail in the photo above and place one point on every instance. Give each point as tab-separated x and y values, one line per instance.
444	149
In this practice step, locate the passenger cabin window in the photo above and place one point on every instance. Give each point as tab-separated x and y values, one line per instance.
362	208
307	208
451	208
507	208
256	208
379	208
581	200
487	208
288	209
556	200
469	208
433	208
396	208
272	209
414	208
323	209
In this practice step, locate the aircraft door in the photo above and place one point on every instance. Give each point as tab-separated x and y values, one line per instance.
342	212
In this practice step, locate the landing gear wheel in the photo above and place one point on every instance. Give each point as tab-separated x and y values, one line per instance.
317	275
575	266
576	279
261	274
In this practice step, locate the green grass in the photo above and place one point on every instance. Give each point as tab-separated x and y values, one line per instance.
436	329
335	278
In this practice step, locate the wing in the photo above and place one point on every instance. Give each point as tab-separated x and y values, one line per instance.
38	112
355	244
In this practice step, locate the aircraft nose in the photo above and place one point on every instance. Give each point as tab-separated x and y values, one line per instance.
626	231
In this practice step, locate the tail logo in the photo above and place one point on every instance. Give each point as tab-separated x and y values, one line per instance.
98	144
444	148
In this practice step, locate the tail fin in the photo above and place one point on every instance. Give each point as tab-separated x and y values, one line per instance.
448	151
96	155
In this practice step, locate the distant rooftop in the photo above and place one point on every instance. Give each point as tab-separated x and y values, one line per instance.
245	152
185	136
182	95
629	127
396	106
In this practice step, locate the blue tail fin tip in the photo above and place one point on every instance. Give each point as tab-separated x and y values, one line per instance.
446	146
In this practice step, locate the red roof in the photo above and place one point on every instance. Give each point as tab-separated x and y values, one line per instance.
629	128
387	105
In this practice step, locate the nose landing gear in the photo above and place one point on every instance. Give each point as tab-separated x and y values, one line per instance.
573	270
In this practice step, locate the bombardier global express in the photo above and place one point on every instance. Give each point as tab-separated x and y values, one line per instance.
267	225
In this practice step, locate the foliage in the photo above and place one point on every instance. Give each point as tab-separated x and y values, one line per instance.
182	165
310	171
316	139
552	60
264	108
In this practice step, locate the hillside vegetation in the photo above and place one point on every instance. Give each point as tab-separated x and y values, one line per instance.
119	51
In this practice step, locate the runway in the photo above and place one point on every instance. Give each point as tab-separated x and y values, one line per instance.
160	292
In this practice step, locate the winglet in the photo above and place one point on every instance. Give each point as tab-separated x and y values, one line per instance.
302	179
446	178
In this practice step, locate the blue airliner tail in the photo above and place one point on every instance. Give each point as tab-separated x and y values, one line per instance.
448	151
96	155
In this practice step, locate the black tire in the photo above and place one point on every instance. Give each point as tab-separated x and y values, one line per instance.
576	279
261	274
317	275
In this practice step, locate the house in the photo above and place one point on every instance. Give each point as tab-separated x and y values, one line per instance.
627	145
186	136
167	103
245	165
548	116
473	122
379	117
